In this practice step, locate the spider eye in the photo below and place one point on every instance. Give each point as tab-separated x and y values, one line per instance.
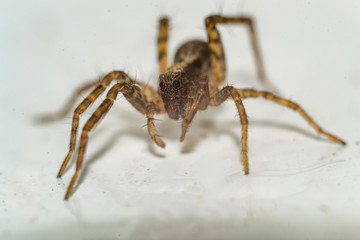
162	85
176	84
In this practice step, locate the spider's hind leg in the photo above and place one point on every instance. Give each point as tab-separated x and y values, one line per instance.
162	44
215	44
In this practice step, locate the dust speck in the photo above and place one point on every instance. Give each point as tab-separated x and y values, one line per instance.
324	208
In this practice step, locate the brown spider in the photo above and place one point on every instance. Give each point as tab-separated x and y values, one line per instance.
190	84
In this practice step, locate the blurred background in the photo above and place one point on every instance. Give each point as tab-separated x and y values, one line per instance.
301	186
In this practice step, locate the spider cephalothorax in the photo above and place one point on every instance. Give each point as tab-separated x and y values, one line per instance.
173	89
177	88
192	83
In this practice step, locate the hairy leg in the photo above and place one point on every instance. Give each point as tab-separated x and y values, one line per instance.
134	94
221	96
215	44
151	108
162	44
96	116
81	108
246	93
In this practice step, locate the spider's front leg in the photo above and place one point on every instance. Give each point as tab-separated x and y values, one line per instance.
101	87
221	96
137	96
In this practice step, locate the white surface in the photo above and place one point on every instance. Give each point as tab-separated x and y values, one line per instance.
301	186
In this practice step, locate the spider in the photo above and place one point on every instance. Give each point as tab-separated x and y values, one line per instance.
192	83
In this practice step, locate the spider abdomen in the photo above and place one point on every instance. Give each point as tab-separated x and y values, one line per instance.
195	53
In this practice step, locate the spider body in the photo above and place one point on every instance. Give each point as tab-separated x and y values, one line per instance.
192	83
181	82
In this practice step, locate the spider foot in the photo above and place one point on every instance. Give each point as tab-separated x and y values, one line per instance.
159	142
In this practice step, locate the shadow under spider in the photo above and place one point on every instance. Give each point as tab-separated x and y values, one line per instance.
108	145
203	126
200	129
287	127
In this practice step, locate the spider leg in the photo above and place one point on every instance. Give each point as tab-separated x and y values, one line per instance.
95	117
68	105
215	44
162	44
151	126
135	96
147	101
156	105
221	96
81	108
245	93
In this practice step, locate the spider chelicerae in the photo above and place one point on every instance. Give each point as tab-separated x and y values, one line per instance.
192	83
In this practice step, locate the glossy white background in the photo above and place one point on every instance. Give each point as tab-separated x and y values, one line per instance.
301	185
